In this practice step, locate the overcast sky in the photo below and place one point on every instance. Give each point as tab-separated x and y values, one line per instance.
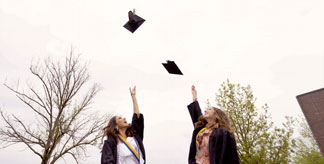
276	46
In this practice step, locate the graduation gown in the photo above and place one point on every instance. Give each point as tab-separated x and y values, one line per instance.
109	150
222	145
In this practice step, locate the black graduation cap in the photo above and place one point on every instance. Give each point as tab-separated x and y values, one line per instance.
134	21
172	68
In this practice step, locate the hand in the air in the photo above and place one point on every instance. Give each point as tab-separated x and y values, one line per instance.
132	91
194	93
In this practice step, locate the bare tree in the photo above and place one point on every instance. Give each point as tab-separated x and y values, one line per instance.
63	125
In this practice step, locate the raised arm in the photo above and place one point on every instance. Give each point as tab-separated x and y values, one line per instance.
194	93
194	108
138	118
135	105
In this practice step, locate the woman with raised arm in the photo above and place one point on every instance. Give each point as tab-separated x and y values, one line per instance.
212	141
124	144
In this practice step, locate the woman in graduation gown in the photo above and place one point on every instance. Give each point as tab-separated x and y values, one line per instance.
212	141
124	143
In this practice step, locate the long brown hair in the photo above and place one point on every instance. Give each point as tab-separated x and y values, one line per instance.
111	130
220	119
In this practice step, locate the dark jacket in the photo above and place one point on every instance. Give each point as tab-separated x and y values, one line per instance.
109	150
222	145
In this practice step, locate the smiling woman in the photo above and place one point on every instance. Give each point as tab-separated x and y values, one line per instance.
124	144
213	141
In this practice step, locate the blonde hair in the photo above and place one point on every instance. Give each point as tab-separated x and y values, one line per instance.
219	119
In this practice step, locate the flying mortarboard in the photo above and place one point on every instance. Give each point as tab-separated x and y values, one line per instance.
134	21
172	68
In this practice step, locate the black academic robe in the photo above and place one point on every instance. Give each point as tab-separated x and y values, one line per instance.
109	150
222	145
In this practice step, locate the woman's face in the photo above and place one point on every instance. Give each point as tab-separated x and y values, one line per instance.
121	122
209	113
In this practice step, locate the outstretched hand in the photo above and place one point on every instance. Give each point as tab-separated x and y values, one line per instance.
132	91
194	93
135	105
